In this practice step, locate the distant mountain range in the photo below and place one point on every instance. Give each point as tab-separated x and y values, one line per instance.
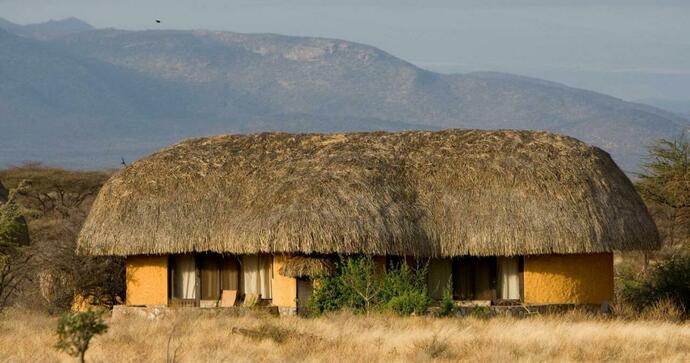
82	97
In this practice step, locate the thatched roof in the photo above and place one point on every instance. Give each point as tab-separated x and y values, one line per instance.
306	266
453	192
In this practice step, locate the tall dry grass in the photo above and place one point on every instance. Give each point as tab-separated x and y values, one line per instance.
221	337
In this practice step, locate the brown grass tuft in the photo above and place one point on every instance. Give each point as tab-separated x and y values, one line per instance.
664	310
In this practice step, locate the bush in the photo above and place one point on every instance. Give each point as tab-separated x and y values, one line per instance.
666	280
354	285
361	285
447	303
404	290
402	279
75	332
408	303
358	286
328	296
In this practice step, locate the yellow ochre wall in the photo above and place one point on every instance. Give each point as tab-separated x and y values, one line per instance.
147	280
568	279
284	288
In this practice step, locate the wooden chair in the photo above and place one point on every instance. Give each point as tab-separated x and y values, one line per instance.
228	298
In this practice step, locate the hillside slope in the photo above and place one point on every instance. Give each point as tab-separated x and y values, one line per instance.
187	83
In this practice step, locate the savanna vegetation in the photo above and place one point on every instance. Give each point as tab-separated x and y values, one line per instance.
48	274
237	336
357	309
645	279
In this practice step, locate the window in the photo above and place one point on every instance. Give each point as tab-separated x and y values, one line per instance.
256	275
183	271
474	278
249	274
487	278
508	278
230	274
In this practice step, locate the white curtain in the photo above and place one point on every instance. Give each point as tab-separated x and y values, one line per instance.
185	277
509	277
256	275
250	274
265	266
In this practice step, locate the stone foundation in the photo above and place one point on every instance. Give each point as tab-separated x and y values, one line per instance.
151	312
524	310
286	311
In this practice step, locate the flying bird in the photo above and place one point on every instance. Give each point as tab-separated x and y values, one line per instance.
158	21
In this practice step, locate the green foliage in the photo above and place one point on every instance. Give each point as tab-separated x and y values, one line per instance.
447	303
401	279
404	289
358	285
11	227
354	285
361	285
14	259
328	296
669	279
665	187
408	303
75	331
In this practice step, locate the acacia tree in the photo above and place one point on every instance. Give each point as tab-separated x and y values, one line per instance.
14	260
59	201
665	187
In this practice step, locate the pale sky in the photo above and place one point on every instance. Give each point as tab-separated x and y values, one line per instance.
630	49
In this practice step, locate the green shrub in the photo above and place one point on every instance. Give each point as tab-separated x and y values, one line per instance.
355	285
76	330
361	284
667	280
447	307
358	286
328	296
408	303
401	279
404	289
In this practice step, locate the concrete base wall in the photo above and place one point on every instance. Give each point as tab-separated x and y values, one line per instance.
147	280
569	279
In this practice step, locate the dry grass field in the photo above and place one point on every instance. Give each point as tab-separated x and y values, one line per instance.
214	337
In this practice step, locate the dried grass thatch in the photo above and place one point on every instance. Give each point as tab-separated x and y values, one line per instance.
306	266
453	192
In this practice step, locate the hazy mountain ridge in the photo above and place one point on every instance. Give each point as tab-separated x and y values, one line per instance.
204	82
48	30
